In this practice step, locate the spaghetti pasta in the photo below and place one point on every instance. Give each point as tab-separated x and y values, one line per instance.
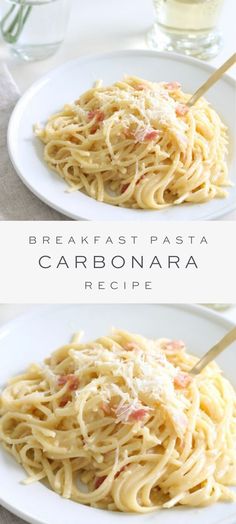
136	144
123	417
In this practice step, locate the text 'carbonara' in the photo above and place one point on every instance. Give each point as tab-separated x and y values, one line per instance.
136	144
119	424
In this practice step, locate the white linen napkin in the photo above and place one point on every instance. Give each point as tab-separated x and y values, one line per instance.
16	201
7	518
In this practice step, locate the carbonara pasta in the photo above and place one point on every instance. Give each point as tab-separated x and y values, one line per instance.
119	424
136	144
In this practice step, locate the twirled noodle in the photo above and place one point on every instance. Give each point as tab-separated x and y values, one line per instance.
122	416
135	144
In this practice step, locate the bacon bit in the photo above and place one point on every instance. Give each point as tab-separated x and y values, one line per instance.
174	345
151	135
119	472
99	481
124	187
141	135
63	402
130	345
140	87
138	414
73	383
182	380
181	110
62	380
71	380
97	114
140	179
106	408
172	86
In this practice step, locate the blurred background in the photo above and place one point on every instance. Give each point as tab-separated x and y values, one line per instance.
106	25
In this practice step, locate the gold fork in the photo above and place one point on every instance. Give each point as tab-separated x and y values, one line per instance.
226	341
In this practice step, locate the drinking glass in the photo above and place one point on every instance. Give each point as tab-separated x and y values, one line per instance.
186	26
34	29
218	307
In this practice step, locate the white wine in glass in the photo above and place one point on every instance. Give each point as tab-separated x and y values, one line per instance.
187	26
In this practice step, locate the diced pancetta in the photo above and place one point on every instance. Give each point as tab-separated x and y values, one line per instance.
174	345
138	414
172	86
141	135
140	87
119	472
182	380
98	481
72	381
130	345
124	187
96	114
63	402
181	110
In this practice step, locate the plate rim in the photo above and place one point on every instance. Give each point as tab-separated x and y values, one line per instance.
35	87
197	310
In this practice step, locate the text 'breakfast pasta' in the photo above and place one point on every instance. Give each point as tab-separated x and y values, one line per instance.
119	424
136	144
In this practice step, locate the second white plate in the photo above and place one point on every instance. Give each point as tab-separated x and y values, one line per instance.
33	337
65	84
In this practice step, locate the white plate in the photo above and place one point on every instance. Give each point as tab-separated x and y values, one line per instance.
65	84
33	337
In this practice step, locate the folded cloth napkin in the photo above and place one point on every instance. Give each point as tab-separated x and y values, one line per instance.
8	518
16	201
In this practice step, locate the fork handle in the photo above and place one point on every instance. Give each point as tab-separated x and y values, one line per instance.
212	80
226	341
